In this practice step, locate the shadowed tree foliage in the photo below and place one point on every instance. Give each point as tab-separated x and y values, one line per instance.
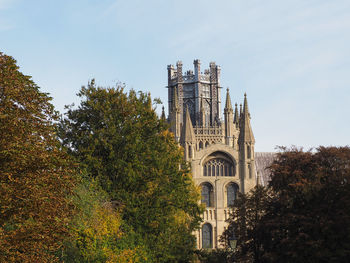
119	140
35	175
309	218
245	225
306	209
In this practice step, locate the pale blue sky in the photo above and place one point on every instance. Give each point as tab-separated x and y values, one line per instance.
291	57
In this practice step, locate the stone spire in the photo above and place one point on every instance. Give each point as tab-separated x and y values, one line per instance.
236	117
228	105
162	117
187	133
228	113
246	133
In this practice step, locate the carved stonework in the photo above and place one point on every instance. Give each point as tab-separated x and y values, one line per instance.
221	153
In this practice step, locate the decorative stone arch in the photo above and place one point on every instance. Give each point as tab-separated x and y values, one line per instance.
211	153
218	164
207	194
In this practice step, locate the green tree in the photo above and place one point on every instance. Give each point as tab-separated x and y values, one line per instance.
95	231
118	138
35	175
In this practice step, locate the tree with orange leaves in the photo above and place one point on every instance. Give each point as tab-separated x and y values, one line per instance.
35	174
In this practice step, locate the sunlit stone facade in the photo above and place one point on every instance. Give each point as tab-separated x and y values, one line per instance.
220	150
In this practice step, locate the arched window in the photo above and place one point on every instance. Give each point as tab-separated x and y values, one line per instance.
231	191
189	152
207	195
207	236
218	167
206	144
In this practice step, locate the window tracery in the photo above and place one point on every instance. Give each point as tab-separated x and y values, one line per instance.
218	167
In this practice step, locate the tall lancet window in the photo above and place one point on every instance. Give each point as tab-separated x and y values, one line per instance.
207	236
231	191
207	195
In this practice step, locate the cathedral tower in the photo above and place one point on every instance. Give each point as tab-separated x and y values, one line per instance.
221	153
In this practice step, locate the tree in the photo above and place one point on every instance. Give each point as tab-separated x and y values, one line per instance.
118	138
95	231
245	226
304	214
35	174
309	217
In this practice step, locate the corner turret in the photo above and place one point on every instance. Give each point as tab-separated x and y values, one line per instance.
229	128
246	143
188	138
246	133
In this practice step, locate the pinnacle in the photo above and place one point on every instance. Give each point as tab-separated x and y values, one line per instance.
187	134
163	114
228	105
236	117
246	133
245	106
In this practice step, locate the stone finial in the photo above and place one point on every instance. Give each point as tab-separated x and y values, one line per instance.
246	133
236	117
163	114
228	105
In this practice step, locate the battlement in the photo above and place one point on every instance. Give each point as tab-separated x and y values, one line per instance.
175	75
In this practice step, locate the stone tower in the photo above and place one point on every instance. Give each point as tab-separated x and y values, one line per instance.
221	153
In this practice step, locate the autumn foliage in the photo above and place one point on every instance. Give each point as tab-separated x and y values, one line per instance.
304	213
35	175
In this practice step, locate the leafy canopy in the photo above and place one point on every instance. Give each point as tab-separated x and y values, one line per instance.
35	175
303	215
118	138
